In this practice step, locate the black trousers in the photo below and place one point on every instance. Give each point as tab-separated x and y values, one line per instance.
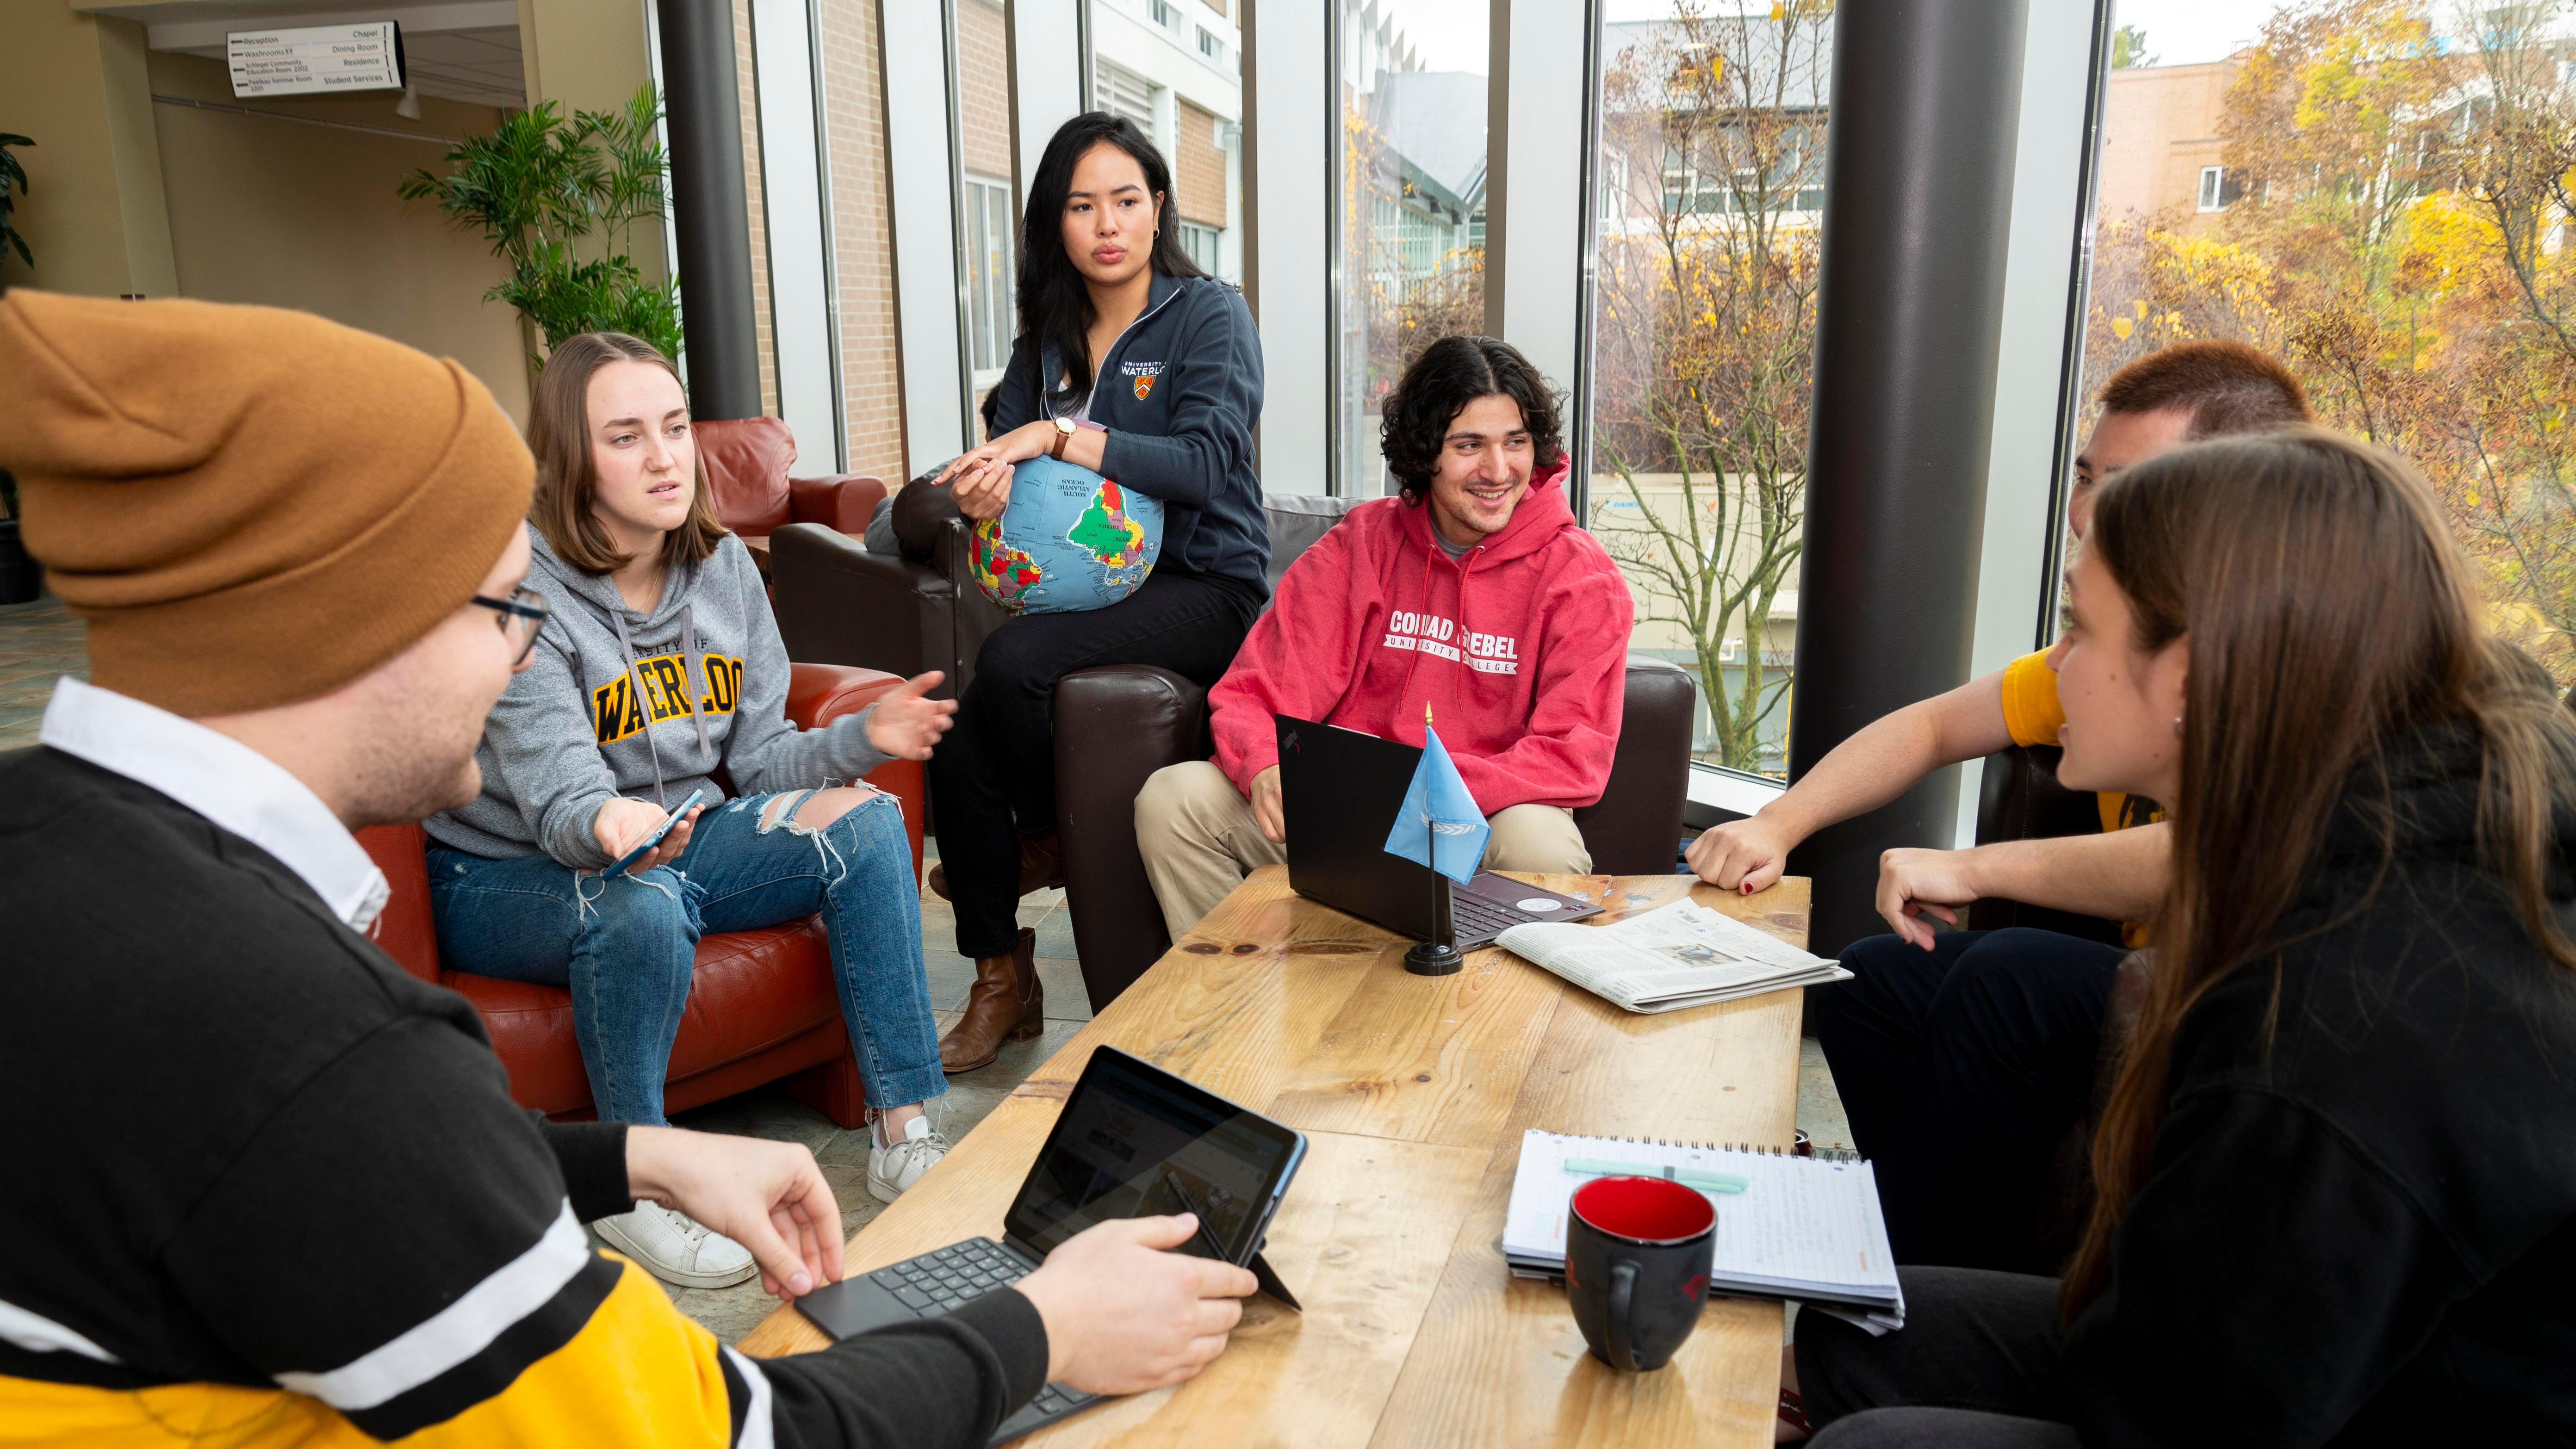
1975	1367
1960	1068
992	779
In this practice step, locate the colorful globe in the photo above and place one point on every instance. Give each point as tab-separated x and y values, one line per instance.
1068	541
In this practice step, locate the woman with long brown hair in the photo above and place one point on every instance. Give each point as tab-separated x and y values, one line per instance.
2337	1177
658	677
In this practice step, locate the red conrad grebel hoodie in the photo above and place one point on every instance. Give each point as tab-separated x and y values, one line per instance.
1520	648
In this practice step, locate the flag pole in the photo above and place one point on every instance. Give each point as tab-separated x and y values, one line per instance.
1440	955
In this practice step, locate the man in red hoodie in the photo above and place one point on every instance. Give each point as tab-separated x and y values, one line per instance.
1474	593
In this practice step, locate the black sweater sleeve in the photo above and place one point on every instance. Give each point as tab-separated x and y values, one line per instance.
939	1381
592	1157
2265	1284
1216	383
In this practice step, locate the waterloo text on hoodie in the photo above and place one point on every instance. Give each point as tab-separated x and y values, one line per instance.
619	703
1519	647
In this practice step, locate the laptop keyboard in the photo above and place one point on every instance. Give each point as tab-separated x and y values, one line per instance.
1478	919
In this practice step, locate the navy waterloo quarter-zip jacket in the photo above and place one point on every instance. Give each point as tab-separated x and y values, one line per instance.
1180	393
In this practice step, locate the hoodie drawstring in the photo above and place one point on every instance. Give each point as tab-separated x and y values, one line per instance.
1460	642
643	709
693	666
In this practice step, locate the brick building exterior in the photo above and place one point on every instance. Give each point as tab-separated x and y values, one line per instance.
1199	168
862	237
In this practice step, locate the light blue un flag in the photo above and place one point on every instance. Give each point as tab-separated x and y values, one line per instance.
1439	825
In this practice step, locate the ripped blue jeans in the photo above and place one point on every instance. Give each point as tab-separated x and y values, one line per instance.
626	945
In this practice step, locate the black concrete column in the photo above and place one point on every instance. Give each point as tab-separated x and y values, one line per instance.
708	209
1918	203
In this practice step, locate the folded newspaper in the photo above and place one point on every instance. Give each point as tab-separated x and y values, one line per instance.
1674	956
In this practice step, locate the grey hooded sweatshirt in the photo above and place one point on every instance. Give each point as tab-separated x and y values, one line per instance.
618	703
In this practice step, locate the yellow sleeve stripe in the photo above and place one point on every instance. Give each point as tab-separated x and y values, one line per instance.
638	1373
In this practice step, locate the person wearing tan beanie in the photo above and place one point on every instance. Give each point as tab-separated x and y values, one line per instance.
278	1191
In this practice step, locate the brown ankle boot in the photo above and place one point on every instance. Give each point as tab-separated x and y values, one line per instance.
1041	868
1006	1003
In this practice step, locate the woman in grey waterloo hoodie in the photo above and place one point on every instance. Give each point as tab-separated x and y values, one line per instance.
625	709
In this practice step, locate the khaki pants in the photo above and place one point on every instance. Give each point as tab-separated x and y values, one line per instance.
1199	840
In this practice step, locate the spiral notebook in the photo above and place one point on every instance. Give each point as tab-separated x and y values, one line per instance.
1804	1228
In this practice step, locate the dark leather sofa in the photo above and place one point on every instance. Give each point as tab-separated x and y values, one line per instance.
1118	725
839	603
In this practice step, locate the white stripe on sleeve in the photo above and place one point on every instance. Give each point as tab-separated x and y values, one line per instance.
38	1334
757	1431
457	1332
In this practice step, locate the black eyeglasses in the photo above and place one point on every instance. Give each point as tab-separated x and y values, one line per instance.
521	615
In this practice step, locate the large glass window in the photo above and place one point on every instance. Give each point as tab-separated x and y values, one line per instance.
1188	96
2375	192
1711	192
991	319
1411	79
984	208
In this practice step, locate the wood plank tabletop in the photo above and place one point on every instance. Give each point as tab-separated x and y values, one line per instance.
1413	1092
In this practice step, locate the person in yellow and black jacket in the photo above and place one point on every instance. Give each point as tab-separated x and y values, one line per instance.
1963	1056
267	1188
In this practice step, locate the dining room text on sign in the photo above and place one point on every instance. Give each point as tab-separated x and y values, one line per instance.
316	59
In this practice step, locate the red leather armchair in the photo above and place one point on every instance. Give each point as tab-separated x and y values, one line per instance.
747	461
761	1004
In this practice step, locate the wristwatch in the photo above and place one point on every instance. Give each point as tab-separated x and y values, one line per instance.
1064	434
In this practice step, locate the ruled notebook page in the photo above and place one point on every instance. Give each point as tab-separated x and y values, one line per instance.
1800	1222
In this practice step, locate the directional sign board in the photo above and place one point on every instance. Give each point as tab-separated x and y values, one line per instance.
314	60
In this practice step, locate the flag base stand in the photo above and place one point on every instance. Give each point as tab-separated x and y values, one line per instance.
1435	958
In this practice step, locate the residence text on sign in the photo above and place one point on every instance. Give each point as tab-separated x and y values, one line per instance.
314	60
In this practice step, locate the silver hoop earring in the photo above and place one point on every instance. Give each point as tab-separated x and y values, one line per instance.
2177	726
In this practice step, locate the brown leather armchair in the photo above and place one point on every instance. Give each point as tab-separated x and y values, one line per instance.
747	461
1117	725
2020	799
761	1003
840	604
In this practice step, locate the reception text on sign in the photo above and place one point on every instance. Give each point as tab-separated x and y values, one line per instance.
316	59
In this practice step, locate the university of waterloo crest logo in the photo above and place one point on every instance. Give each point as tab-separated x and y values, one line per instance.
1140	376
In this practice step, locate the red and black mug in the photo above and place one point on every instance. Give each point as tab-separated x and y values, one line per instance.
1637	1255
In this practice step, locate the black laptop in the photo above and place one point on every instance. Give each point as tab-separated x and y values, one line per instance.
1341	790
1133	1141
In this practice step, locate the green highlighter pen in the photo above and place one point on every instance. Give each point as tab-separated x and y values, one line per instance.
1686	1176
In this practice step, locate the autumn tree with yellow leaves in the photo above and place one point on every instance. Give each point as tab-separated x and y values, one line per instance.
1704	344
2399	240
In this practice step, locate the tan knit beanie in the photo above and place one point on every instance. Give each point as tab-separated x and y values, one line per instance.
249	506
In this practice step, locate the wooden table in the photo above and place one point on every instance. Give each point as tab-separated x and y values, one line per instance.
1413	1093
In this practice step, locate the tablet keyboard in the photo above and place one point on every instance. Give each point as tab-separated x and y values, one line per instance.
944	1281
947	1279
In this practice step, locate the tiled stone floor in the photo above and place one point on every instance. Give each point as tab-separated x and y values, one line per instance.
39	642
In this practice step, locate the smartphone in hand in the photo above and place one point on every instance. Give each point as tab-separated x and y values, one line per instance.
654	839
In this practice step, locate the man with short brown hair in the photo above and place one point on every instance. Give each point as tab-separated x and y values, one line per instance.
1961	1056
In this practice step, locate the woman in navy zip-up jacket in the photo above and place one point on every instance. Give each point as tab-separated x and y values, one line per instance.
1134	363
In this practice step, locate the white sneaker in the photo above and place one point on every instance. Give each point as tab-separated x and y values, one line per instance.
677	1248
892	1169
